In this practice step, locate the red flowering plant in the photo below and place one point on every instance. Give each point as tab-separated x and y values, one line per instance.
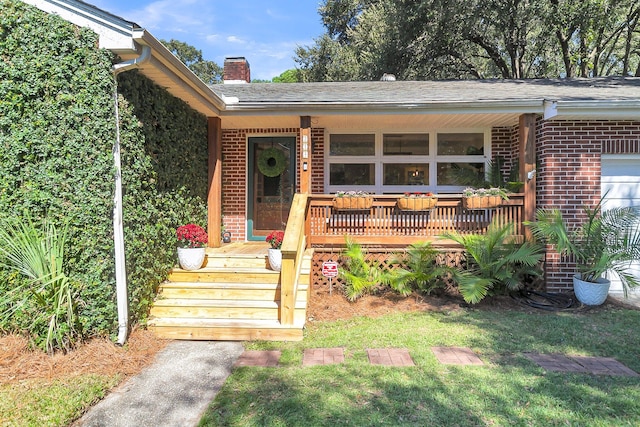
419	195
191	236
275	239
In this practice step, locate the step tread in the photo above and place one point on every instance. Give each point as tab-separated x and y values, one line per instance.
170	284
219	285
243	270
219	322
185	302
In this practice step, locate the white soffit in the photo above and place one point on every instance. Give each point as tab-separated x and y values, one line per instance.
344	121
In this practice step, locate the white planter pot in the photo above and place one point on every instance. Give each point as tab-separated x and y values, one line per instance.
590	293
191	258
275	259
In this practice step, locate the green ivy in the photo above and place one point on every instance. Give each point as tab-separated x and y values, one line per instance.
57	131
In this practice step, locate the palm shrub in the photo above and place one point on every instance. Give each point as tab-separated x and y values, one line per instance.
418	270
360	276
495	262
607	240
38	255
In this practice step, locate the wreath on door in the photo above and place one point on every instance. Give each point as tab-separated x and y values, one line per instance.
272	162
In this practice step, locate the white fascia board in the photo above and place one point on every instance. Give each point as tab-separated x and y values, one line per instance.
374	108
115	33
172	67
593	109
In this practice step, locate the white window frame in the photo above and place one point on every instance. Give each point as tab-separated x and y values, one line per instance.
378	159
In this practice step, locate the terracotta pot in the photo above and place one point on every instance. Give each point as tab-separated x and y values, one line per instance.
191	258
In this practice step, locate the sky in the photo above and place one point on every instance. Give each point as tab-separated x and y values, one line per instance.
265	32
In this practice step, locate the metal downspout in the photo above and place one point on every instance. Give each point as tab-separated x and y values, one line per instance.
122	294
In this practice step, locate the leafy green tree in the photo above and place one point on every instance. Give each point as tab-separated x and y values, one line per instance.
289	76
208	71
443	39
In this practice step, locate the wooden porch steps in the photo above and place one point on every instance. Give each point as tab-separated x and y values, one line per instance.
234	297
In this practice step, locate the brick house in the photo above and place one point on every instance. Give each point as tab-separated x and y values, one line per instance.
584	138
570	142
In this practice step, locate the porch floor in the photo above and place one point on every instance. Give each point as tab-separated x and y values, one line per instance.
239	249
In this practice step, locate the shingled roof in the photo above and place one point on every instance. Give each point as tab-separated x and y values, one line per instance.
433	92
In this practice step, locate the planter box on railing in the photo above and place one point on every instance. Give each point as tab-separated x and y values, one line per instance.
481	202
417	203
352	203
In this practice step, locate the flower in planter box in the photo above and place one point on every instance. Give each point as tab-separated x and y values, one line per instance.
341	194
481	192
275	239
419	195
191	236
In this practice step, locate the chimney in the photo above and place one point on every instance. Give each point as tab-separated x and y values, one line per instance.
236	70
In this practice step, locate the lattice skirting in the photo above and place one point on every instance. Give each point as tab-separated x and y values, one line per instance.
450	257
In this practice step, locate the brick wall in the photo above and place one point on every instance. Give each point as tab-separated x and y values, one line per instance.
569	170
504	143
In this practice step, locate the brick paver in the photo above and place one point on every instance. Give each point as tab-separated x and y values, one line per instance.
390	357
456	356
265	358
322	356
445	355
581	364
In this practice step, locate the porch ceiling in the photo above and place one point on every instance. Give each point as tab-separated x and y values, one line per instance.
374	121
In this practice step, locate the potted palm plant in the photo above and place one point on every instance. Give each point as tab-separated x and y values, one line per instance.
606	241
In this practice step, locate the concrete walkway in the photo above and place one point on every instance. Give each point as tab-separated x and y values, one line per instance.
173	391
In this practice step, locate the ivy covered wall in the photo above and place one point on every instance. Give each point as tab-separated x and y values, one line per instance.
57	130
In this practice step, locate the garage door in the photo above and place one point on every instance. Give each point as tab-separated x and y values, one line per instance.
621	184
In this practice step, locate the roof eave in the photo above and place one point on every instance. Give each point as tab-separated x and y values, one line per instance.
167	63
123	38
592	109
376	107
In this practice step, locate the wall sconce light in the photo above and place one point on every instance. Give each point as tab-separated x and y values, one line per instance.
531	174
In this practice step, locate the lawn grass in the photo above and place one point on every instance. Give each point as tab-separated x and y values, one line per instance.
508	390
51	403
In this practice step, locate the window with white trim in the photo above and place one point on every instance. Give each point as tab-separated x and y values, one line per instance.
396	162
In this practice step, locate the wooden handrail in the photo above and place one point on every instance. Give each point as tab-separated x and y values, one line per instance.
293	247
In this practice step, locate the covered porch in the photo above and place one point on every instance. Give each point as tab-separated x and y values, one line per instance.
236	296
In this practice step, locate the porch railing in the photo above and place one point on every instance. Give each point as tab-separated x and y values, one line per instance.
384	224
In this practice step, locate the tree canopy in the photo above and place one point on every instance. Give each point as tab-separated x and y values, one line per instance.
208	71
460	39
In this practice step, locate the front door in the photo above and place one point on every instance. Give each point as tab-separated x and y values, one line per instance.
272	175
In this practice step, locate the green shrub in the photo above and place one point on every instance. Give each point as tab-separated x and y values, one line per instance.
57	132
418	269
38	254
495	262
360	276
